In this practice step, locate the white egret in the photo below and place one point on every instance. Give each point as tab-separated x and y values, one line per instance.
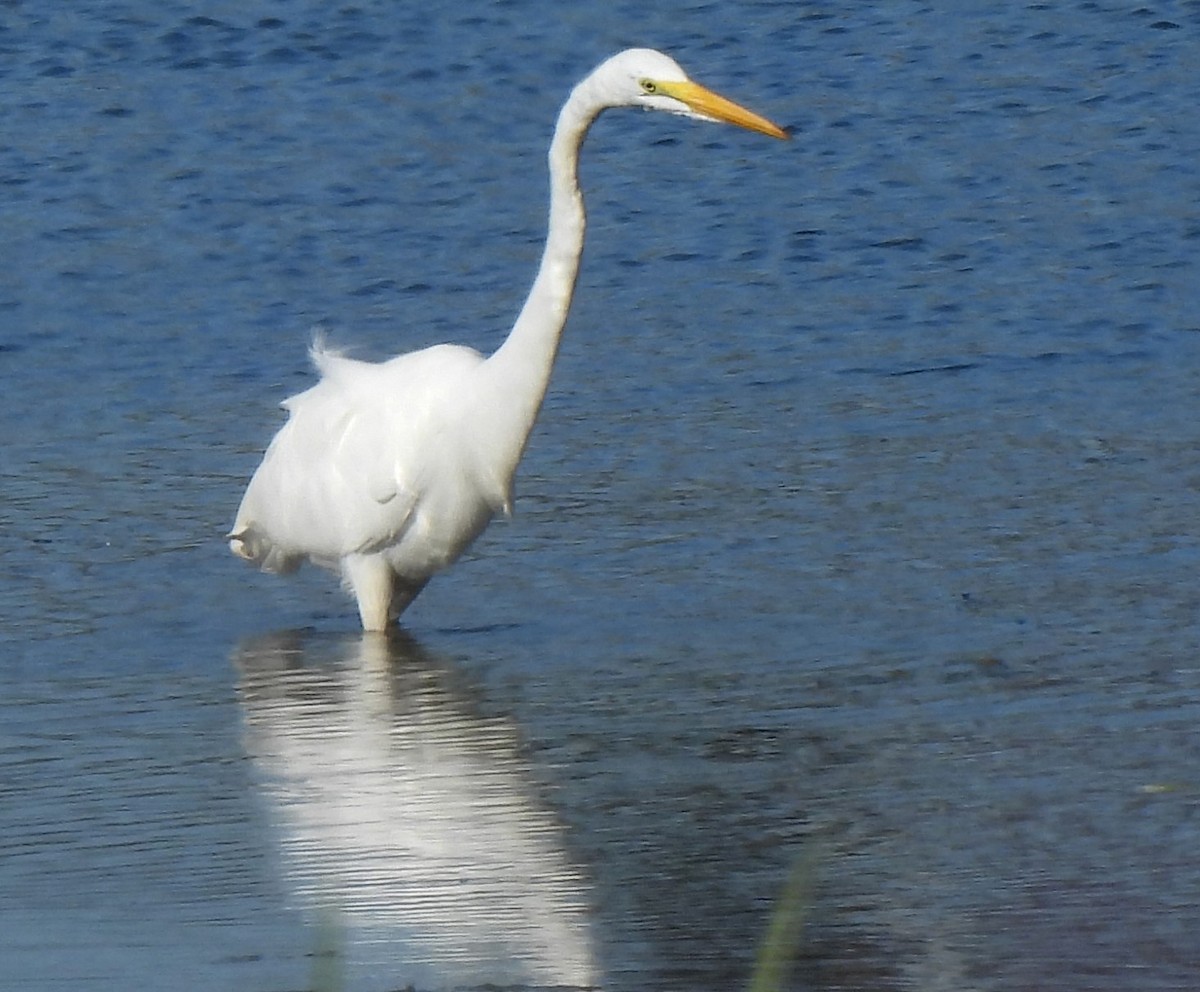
386	472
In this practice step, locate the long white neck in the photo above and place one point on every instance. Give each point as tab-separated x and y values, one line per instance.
516	376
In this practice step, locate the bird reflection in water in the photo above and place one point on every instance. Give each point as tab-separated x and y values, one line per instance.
409	818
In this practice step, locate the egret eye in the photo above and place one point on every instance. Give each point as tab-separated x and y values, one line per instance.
648	86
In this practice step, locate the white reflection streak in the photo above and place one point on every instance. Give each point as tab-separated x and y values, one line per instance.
410	818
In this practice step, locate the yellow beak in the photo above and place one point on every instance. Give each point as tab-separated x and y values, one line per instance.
709	104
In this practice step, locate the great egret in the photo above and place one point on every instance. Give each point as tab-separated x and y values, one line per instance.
386	472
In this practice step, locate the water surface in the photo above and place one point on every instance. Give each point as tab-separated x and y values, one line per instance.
859	529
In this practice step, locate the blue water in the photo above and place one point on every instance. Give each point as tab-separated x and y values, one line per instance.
859	530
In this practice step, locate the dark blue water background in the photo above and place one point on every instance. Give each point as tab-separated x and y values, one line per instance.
861	529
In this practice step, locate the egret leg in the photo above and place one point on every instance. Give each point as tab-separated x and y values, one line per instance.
403	593
370	578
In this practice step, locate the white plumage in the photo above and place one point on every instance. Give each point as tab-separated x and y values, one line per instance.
386	472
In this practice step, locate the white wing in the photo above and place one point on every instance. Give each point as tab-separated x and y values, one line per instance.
346	472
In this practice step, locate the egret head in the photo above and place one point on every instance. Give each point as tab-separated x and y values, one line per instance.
642	77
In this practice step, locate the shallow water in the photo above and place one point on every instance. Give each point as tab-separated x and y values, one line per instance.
858	531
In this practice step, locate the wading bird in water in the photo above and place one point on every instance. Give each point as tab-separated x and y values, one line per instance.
386	472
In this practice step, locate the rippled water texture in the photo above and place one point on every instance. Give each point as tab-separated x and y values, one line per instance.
859	532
